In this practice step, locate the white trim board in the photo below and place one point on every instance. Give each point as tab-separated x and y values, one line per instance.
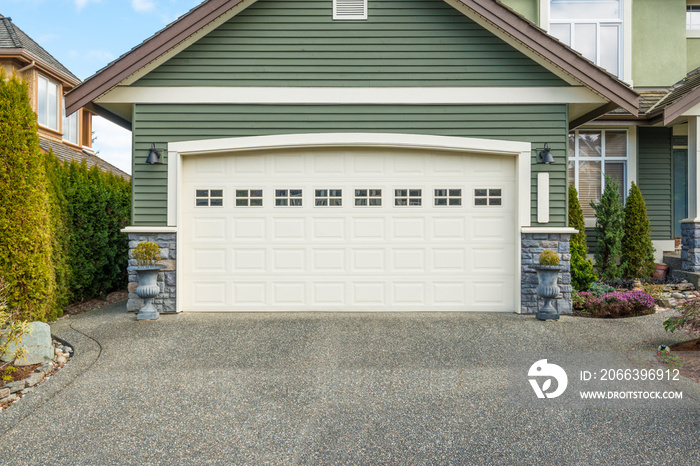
350	95
520	150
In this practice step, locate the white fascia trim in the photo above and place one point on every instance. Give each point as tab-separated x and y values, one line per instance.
349	95
169	229
419	141
552	230
520	150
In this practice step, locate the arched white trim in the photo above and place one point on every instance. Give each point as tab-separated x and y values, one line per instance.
489	147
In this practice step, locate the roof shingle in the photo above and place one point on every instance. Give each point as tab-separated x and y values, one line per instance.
66	154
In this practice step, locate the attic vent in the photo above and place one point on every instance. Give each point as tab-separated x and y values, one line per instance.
349	9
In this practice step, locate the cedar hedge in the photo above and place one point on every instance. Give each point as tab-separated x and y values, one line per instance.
59	223
637	249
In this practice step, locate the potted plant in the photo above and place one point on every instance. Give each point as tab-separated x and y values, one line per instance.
547	288
146	254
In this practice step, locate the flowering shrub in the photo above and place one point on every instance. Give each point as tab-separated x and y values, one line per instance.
616	304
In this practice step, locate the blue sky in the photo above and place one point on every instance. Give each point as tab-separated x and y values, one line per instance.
85	35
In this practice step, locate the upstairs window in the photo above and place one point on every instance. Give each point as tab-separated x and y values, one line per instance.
591	27
692	17
349	9
70	127
47	104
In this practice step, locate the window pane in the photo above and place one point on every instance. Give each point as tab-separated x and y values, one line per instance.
202	202
52	106
589	144
561	32
360	192
480	192
375	192
360	202
572	173
572	144
375	202
321	192
456	201
241	202
589	9
241	193
589	186
610	48
585	40
202	193
256	202
295	193
217	202
441	192
494	192
217	193
256	193
42	95
615	144
616	171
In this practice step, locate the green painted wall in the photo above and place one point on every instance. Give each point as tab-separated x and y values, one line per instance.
693	54
530	9
658	42
655	180
161	124
403	43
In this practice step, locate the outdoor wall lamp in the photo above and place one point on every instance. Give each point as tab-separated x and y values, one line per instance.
153	155
545	155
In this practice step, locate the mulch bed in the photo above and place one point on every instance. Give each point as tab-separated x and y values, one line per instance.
78	308
689	352
20	373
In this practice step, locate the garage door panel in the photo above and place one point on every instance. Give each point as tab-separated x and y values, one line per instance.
457	256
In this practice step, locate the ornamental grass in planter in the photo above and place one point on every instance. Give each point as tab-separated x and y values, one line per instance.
146	255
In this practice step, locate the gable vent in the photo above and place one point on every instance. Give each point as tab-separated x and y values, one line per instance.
349	9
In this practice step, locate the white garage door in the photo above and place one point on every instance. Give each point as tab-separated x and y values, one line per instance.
347	229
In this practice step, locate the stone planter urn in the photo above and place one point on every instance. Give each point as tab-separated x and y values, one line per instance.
147	290
547	288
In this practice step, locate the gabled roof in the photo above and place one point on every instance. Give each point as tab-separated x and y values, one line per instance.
14	40
490	14
66	154
683	96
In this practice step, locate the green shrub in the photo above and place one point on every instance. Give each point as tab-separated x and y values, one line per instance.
688	319
598	289
549	257
582	274
609	231
637	250
11	330
26	252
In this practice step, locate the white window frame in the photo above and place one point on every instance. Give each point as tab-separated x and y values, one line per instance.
71	122
625	52
690	32
628	160
43	119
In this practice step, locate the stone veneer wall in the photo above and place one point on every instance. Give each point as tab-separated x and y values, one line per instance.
531	246
690	254
165	301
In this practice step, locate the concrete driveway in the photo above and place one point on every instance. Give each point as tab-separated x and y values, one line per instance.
304	388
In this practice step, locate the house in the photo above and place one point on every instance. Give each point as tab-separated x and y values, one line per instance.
68	136
357	155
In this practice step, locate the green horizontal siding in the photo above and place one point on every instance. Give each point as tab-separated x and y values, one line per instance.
161	124
654	179
403	43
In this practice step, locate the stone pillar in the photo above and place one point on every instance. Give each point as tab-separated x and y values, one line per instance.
532	244
165	302
690	227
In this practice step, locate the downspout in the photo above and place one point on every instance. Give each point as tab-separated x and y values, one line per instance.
28	67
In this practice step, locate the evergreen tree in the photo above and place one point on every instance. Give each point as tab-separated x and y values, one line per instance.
637	250
25	225
582	274
609	230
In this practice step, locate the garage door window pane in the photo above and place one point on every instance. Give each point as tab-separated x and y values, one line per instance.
288	197
328	197
249	197
209	198
407	197
448	197
488	197
368	197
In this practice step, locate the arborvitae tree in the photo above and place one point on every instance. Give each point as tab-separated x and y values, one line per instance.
26	261
582	274
609	230
637	250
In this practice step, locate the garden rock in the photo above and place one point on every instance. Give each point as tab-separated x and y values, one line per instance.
37	343
14	387
34	379
4	392
677	295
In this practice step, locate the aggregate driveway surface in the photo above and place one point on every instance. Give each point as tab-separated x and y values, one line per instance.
302	388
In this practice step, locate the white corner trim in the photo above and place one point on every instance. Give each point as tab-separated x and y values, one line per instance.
544	14
146	229
349	95
543	197
487	146
692	33
553	230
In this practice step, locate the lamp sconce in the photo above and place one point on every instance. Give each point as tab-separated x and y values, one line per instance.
153	155
545	155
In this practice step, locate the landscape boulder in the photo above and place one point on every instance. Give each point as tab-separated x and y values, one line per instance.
37	343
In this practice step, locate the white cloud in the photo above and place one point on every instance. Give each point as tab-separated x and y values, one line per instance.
80	4
143	6
113	143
